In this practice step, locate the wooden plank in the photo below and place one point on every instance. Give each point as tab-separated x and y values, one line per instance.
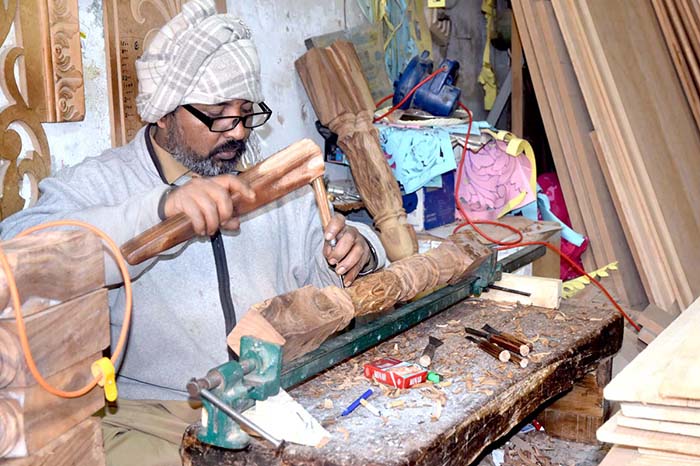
627	456
59	337
544	292
669	427
52	70
54	265
571	123
655	319
80	446
563	172
35	417
628	117
661	412
651	364
517	97
612	432
680	61
681	378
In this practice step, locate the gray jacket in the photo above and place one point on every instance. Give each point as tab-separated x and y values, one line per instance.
177	330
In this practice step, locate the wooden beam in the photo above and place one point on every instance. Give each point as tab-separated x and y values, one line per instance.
59	337
517	107
544	292
52	265
80	446
34	417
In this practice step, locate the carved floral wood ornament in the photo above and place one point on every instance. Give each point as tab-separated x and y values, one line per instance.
51	75
18	162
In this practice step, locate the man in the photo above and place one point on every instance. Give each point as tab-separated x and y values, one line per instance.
199	88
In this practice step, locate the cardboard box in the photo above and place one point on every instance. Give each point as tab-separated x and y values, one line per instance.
431	207
395	373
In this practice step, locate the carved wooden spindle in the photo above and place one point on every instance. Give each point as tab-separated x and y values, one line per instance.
340	96
303	319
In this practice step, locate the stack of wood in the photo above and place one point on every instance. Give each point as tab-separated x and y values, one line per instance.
680	23
60	277
659	395
340	95
608	91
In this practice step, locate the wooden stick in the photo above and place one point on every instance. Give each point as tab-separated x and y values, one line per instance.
491	349
519	360
322	200
287	170
524	346
504	343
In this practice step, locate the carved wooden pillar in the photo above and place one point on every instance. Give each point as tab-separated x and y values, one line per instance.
51	76
18	162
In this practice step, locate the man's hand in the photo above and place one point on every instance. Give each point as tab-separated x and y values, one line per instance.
351	252
207	202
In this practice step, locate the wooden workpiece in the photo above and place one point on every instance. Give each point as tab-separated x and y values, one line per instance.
483	399
339	93
303	319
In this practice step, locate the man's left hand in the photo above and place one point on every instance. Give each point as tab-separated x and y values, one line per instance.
351	252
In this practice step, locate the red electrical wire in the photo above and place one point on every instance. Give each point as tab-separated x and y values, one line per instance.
468	221
407	96
519	242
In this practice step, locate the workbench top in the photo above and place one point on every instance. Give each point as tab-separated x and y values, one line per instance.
480	400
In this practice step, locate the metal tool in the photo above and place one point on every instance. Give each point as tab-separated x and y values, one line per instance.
231	388
508	290
429	351
438	96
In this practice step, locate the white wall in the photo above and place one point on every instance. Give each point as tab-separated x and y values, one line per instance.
279	29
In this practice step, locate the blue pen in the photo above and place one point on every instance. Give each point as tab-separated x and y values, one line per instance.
356	403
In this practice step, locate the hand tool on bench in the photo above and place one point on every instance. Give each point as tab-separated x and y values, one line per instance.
429	351
525	346
501	341
287	170
231	388
489	348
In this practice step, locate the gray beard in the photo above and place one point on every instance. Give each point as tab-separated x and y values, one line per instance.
203	166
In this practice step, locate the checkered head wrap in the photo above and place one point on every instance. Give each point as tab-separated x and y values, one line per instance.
201	57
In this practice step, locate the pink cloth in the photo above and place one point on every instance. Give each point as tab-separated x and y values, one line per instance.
492	179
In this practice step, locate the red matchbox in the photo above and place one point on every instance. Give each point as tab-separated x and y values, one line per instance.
395	373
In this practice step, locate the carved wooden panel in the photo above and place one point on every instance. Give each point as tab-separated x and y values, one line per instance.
24	149
49	32
129	24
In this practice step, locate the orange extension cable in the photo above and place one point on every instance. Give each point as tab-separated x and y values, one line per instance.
468	221
22	331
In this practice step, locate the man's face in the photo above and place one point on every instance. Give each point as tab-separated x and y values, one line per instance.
191	143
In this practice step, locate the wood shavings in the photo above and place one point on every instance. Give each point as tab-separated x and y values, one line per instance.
327	404
324	441
454	322
437	412
458	389
469	382
442	325
445	383
539	356
396	404
344	431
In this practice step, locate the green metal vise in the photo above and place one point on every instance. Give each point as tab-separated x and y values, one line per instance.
232	387
488	272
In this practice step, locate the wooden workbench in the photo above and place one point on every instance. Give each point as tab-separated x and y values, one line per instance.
483	398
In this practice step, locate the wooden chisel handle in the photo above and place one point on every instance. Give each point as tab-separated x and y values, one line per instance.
287	170
322	200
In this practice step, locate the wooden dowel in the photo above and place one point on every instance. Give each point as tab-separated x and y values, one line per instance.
519	360
524	346
487	347
322	201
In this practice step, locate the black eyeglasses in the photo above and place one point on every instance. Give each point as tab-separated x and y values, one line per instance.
227	123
